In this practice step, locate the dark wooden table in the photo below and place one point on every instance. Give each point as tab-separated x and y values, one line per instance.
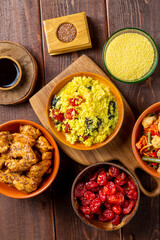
50	215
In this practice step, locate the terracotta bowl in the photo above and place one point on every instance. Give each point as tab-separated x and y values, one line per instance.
83	176
13	126
105	81
137	127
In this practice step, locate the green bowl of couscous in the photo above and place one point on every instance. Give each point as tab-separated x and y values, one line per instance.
130	55
85	111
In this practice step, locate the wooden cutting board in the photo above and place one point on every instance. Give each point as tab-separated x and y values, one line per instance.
118	149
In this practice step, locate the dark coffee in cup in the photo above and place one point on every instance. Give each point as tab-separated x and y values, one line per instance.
10	73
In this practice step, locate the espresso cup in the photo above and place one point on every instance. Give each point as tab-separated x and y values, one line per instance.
10	73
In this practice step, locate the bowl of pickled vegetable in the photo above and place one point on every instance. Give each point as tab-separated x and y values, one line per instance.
105	196
146	140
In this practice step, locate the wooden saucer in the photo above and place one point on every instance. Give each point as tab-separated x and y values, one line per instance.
29	73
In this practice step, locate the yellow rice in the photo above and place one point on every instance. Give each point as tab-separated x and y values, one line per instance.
97	114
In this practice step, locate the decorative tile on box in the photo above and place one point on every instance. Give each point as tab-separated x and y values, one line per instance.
67	34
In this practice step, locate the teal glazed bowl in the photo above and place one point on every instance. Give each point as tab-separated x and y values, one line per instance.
142	33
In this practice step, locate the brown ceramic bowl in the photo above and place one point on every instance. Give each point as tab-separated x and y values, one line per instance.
114	90
13	126
137	127
85	175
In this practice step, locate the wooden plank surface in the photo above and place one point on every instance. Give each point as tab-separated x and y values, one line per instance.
33	218
144	15
50	215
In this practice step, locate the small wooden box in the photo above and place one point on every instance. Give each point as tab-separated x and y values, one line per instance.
81	41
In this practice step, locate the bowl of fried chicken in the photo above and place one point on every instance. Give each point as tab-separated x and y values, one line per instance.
29	159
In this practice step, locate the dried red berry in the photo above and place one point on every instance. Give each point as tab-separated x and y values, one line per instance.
79	190
94	177
117	198
99	211
116	219
102	178
120	189
95	205
85	201
85	209
126	189
89	195
89	216
91	184
109	177
125	204
109	188
120	179
113	171
108	214
108	205
121	176
120	182
132	194
102	195
96	189
117	209
132	185
101	218
128	209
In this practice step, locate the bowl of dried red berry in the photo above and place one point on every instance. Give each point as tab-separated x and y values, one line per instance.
105	196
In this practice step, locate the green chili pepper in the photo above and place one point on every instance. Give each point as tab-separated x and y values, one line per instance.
150	159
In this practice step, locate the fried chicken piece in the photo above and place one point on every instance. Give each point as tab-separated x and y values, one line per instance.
2	162
23	138
27	157
21	183
3	159
18	150
25	184
6	177
6	135
30	130
16	165
38	170
47	155
148	120
43	145
156	141
5	138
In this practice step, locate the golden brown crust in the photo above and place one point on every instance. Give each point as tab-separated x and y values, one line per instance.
30	130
